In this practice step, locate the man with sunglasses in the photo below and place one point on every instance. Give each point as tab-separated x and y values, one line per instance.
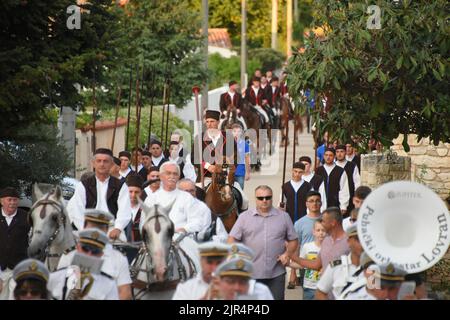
269	232
115	263
92	243
212	254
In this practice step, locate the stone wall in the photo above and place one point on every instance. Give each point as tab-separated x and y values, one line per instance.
376	169
430	164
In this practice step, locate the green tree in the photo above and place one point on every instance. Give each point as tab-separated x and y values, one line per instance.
41	59
33	158
378	83
163	38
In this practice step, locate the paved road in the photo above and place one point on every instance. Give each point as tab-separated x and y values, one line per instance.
272	173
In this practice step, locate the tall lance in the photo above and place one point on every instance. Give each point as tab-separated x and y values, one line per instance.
164	102
152	97
119	94
284	164
129	106
295	139
196	90
94	116
138	113
166	145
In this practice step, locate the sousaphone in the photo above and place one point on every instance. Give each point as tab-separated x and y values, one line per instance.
404	223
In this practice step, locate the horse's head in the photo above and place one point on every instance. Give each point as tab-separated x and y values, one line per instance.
157	232
220	181
49	221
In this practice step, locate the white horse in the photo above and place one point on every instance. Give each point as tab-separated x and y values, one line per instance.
51	229
164	259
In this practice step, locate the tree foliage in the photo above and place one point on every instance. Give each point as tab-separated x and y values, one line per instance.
33	158
41	59
379	82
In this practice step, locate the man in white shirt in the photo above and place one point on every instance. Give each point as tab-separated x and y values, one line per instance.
219	233
336	182
153	182
179	203
125	170
157	153
314	180
102	192
353	177
187	170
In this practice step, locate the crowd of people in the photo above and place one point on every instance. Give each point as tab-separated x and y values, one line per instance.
312	231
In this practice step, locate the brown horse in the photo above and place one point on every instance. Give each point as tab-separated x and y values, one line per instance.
253	121
231	118
220	198
285	105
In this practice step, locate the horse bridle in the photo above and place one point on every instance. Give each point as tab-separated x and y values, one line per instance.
61	221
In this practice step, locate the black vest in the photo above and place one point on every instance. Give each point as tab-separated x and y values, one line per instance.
289	194
315	182
332	184
357	160
112	195
14	240
349	169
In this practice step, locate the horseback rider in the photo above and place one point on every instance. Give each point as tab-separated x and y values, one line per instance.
234	98
214	146
255	95
273	95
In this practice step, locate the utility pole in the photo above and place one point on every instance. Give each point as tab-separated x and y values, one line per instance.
289	29
274	24
243	45
205	39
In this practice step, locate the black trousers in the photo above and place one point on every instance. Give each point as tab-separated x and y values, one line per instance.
276	286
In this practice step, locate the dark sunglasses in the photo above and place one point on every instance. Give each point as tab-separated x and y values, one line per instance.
90	249
264	198
24	292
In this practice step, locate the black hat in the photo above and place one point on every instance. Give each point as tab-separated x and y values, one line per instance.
174	143
212	114
9	192
274	78
125	154
146	153
305	159
331	150
156	142
153	169
341	147
256	79
103	151
232	82
298	165
116	161
134	180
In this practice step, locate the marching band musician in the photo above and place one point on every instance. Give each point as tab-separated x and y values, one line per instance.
115	263
102	192
212	254
92	243
31	278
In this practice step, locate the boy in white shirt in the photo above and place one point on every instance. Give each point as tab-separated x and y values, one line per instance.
310	251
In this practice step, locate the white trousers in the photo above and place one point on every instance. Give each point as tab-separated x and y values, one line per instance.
263	112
